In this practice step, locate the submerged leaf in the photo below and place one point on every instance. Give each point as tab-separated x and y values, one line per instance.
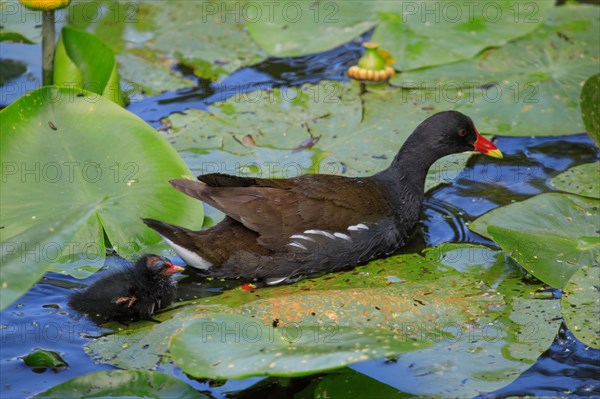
43	358
122	383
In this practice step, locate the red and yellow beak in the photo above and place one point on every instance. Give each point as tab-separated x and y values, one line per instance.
486	147
172	269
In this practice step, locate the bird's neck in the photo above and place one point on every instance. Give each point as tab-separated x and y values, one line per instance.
412	162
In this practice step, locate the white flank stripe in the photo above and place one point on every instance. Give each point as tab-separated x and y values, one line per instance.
191	258
301	237
321	232
297	245
357	227
274	280
344	236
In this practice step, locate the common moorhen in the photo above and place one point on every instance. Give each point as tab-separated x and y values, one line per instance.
129	293
283	228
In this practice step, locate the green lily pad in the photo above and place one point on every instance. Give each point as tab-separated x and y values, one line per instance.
590	98
83	60
42	358
151	37
284	119
122	383
581	180
580	303
550	235
416	34
460	314
420	34
528	87
65	185
296	28
202	348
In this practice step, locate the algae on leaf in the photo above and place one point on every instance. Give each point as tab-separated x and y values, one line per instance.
407	304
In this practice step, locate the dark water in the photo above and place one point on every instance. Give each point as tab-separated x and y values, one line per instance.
41	319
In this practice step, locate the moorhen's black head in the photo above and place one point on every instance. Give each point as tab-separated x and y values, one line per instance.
156	267
451	132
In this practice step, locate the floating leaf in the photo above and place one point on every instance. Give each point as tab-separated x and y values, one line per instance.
298	28
471	319
528	87
64	186
416	34
550	235
581	180
203	349
83	60
420	34
122	383
151	38
590	98
43	358
581	304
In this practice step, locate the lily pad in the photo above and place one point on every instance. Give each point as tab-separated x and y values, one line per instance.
590	98
580	303
83	60
233	346
484	324
42	358
64	186
581	180
290	28
528	87
416	34
122	383
420	34
359	142
209	37
550	235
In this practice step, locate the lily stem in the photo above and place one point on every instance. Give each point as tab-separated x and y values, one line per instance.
48	47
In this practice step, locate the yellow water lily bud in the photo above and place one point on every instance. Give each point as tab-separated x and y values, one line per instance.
45	5
374	65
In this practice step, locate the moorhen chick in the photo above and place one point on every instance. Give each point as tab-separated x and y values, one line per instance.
130	293
278	229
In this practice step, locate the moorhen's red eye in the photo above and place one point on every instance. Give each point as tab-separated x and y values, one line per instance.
462	132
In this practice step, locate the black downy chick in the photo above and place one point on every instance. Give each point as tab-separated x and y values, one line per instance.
133	292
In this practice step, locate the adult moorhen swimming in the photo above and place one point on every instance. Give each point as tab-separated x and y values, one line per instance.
279	229
130	293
